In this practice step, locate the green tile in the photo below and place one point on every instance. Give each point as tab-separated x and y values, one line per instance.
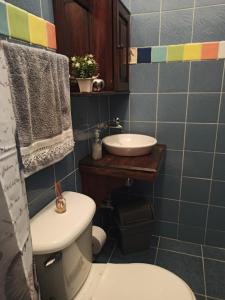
18	23
175	53
3	19
159	54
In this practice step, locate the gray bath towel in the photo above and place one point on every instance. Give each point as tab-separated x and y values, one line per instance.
39	83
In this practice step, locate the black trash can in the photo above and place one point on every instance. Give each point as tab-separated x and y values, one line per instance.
134	221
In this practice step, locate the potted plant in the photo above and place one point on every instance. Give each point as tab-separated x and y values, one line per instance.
84	69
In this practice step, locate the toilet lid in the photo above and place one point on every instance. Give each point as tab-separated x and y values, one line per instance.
140	281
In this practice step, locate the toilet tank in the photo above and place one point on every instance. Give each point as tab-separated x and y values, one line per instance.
62	246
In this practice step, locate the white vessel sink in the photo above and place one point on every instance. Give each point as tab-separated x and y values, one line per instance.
129	144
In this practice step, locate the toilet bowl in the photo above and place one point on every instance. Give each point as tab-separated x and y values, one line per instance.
63	256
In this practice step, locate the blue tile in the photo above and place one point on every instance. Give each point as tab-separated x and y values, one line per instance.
191	234
206	76
166	229
203	108
219	167
104	108
167	186
171	134
209	17
81	150
145	30
78	182
214	253
172	107
198	164
220	147
215	278
187	267
217	193
79	112
93	111
143	6
208	2
200	137
174	77
64	167
119	107
166	210
200	297
144	55
143	78
143	128
195	190
216	220
68	183
142	107
38	183
176	27
180	246
47	10
193	214
177	4
106	252
173	163
222	110
38	203
3	20
215	238
30	6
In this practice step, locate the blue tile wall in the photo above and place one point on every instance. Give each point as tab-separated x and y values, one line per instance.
183	106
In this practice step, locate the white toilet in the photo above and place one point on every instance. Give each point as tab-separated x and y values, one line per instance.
63	255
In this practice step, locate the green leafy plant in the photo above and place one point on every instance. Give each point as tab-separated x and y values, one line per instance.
84	66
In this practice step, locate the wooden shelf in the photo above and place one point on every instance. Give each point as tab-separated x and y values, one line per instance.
100	177
103	93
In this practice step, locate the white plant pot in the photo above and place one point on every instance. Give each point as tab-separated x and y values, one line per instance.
85	84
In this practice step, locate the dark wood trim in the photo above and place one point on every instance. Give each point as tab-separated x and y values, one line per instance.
83	3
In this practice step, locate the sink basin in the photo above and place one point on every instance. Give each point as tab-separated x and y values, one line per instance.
129	144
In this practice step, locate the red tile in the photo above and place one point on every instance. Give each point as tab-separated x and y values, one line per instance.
210	50
51	35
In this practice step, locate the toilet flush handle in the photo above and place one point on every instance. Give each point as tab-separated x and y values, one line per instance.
53	259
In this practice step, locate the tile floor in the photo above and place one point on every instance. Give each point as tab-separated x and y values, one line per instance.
202	267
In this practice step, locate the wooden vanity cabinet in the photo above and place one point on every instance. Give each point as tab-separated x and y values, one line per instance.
100	27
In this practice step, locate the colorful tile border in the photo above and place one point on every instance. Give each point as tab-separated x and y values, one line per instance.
181	52
19	24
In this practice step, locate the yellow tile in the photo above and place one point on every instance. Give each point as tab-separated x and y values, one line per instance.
192	51
133	56
38	30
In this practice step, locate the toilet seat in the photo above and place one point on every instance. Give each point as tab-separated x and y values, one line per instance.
132	282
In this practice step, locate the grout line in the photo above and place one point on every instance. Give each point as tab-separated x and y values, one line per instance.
113	250
214	154
41	8
203	268
157	250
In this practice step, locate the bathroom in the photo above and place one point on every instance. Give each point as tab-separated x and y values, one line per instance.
179	101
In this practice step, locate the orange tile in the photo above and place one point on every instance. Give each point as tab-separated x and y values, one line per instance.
210	50
51	35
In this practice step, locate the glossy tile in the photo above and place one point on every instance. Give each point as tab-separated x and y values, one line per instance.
193	214
176	27
206	76
222	109
210	50
38	30
221	50
203	108
173	163
143	78
119	107
33	7
189	268
171	134
201	24
47	10
174	77
145	30
195	190
175	53
172	107
3	19
167	186
200	137
191	234
216	220
197	164
159	54
133	56
219	167
64	167
68	183
220	147
143	6
215	238
166	229
214	253
51	35
218	192
215	277
192	52
177	4
142	107
208	2
180	246
144	55
143	128
166	210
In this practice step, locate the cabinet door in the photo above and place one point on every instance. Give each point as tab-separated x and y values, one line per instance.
121	46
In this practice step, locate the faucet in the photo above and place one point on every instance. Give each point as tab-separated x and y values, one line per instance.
115	123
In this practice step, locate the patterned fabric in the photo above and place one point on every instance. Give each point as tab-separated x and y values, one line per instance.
16	265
